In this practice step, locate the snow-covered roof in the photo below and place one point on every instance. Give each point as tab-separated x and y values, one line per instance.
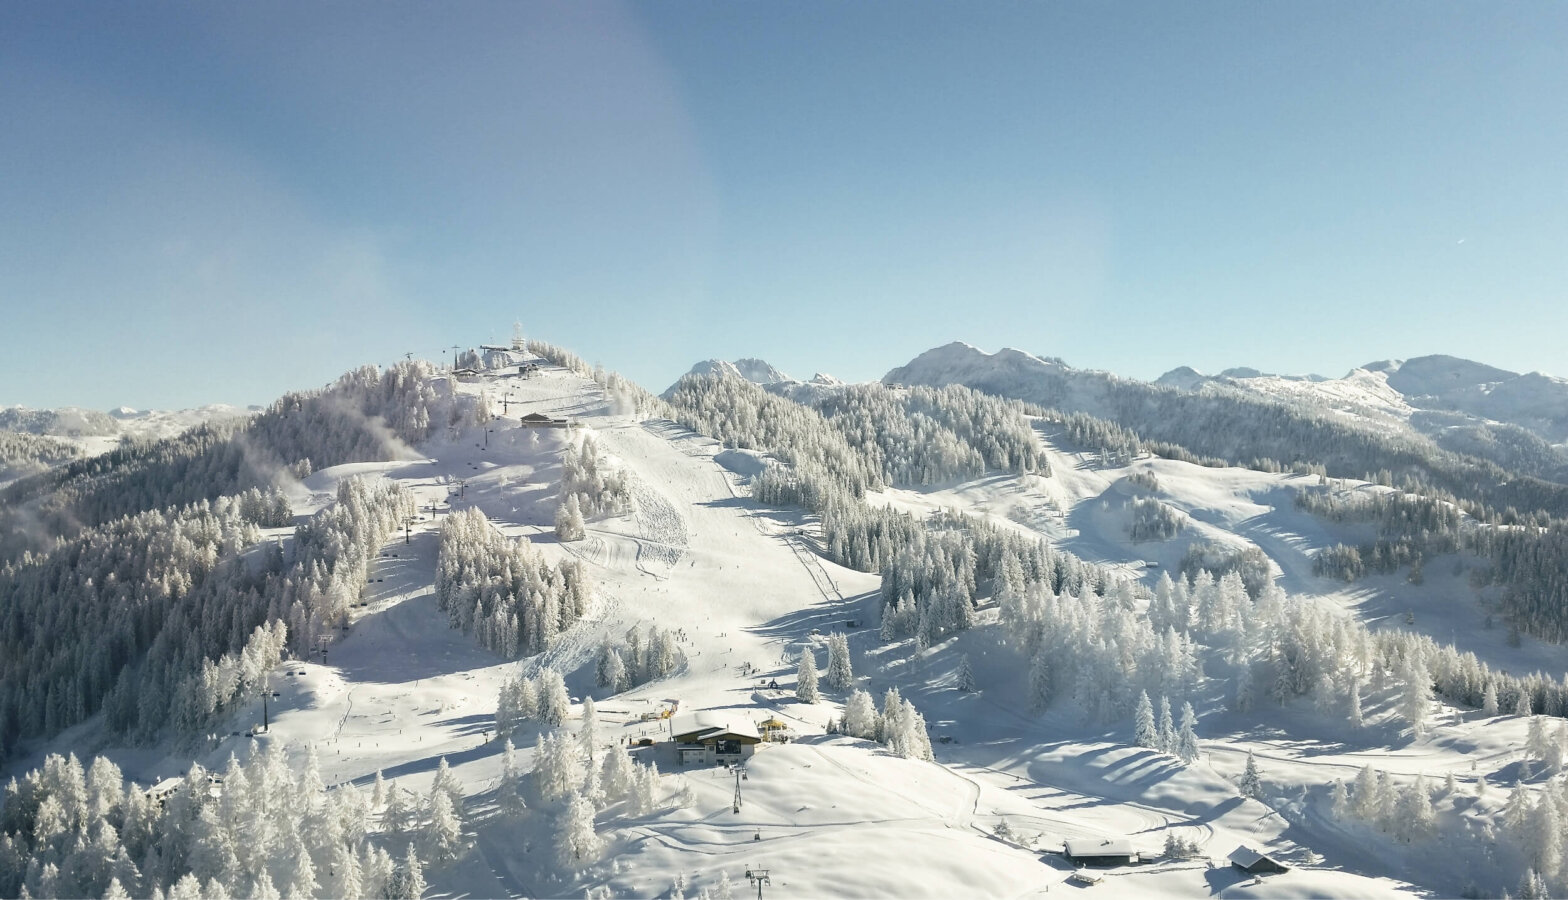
1101	847
1246	857
708	723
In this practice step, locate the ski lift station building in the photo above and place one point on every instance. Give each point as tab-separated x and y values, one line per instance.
710	738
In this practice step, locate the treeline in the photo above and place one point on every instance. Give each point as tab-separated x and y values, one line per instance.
254	830
365	415
639	659
169	618
27	454
1528	555
1251	564
600	489
1224	424
924	435
501	590
738	413
1152	520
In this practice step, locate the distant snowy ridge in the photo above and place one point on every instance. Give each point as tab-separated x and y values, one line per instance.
750	369
74	422
1467	407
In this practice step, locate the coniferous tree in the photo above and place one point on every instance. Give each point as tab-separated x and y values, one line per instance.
577	844
840	675
616	781
509	793
569	524
1187	739
860	716
1167	737
408	881
806	678
966	675
444	831
554	703
1144	731
1251	783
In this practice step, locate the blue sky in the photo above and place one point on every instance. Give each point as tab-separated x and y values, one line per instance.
221	202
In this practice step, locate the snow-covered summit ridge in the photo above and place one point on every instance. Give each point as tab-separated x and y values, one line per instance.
1393	390
958	362
750	369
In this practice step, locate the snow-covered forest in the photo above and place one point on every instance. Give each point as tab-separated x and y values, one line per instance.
164	619
501	591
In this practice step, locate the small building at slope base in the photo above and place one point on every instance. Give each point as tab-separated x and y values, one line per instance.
1101	851
1254	863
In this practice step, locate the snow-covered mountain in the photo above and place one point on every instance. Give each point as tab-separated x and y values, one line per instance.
436	575
1398	388
753	370
1467	407
74	422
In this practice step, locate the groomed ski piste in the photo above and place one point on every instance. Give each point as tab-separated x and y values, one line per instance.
745	588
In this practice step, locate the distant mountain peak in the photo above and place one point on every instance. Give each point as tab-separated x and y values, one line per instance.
748	369
1184	378
759	371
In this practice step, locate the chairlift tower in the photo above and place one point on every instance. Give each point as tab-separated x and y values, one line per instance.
266	694
759	877
740	772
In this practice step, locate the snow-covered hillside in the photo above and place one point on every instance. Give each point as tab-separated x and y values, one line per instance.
1454	400
679	553
96	432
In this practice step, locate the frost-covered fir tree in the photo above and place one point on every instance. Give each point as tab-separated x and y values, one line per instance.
588	734
398	817
408	882
840	675
806	678
1251	783
1415	703
509	793
1243	698
569	524
1167	733
1144	732
555	704
1413	814
1339	800
645	790
1040	683
576	842
1187	738
618	773
966	675
1489	700
446	782
860	716
612	670
444	831
558	767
